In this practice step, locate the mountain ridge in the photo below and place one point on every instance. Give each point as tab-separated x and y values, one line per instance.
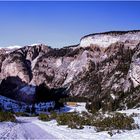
115	32
107	75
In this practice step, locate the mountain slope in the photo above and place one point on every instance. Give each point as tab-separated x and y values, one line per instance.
103	67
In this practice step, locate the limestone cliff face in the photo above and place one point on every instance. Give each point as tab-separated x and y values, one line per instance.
104	66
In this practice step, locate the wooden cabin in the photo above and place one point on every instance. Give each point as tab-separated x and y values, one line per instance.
71	103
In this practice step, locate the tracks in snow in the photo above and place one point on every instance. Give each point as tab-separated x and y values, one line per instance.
23	129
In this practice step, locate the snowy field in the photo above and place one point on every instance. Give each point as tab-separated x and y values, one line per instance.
62	132
32	128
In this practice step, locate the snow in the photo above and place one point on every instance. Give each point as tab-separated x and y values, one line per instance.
35	61
79	107
9	104
58	62
134	73
63	132
42	107
23	129
34	44
113	96
30	90
16	106
105	40
32	128
11	47
130	111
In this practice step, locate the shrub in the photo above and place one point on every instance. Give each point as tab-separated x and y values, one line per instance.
93	107
63	119
44	117
24	114
75	125
117	121
53	115
7	116
73	120
47	117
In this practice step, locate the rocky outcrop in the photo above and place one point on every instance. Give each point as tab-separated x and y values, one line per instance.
106	39
21	62
103	67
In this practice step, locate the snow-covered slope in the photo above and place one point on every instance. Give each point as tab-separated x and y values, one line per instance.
11	47
12	105
16	106
79	107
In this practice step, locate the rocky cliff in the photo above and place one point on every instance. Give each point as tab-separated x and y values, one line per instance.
104	67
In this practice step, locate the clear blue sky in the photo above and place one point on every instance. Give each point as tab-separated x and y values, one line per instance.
60	24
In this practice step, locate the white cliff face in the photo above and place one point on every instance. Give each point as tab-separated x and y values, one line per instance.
105	40
76	66
135	69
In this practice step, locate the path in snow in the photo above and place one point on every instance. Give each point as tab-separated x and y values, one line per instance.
23	129
34	129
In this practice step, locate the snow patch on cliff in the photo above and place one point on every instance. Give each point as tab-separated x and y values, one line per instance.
58	62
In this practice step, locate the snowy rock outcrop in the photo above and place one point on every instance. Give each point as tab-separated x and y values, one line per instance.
135	68
106	39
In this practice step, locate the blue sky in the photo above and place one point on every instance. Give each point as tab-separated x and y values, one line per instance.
60	24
